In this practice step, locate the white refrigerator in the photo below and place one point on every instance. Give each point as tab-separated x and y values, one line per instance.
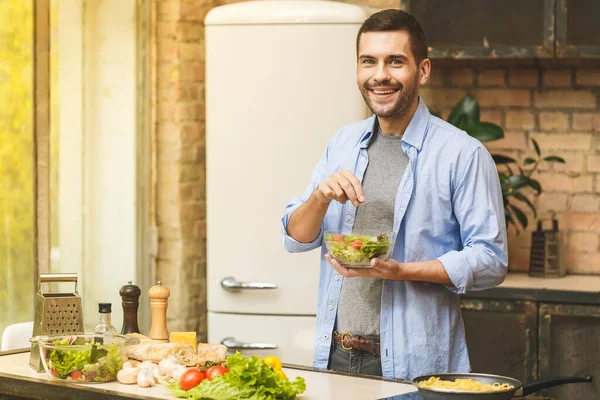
280	81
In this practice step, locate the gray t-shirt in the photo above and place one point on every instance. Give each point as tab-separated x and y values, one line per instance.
360	299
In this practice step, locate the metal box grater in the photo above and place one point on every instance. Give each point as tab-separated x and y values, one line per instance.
55	314
546	252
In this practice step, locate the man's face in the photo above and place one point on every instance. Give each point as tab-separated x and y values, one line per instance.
387	74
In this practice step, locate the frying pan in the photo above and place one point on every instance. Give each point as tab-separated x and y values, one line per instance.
519	389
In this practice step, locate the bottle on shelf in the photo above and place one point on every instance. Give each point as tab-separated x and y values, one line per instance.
104	322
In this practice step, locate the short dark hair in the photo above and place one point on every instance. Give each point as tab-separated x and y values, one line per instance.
397	20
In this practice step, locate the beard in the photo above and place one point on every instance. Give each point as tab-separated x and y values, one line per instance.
393	107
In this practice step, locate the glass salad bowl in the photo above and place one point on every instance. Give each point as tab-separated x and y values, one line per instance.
89	358
357	249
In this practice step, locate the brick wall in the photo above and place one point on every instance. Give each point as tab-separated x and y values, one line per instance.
180	161
557	103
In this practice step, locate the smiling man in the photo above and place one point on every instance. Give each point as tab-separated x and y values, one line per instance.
434	187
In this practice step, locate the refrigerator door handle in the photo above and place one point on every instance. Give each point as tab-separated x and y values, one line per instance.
233	343
230	283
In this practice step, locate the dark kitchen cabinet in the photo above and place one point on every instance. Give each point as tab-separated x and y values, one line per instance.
476	29
502	337
577	33
533	340
569	344
486	28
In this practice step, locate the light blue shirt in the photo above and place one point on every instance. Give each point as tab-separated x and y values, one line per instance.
448	207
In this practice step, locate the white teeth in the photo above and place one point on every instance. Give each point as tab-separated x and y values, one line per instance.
383	91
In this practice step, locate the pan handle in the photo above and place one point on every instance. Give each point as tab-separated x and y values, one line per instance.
537	386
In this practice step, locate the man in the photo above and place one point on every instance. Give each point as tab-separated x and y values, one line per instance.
410	173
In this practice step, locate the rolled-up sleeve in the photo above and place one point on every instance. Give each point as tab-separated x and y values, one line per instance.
478	206
289	243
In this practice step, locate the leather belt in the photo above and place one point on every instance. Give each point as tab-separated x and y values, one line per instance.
348	341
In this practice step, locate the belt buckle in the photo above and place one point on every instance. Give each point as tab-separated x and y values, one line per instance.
344	337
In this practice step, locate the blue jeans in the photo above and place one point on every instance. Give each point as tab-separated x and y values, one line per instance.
354	361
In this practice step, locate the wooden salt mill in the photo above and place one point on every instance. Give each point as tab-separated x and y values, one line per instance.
158	304
130	295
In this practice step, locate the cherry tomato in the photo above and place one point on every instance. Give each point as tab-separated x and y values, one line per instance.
191	378
75	375
215	370
338	238
356	245
53	372
273	362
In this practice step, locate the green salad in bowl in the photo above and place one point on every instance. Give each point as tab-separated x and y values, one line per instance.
356	250
84	357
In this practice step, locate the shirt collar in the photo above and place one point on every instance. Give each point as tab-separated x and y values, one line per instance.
415	131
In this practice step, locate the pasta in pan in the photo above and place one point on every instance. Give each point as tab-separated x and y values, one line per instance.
464	384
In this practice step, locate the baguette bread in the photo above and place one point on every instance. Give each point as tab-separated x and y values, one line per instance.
211	353
155	351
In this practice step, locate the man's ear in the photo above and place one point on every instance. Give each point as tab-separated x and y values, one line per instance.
424	71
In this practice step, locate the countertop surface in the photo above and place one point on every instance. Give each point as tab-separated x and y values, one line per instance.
574	283
18	378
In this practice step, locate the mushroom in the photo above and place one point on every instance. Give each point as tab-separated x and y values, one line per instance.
145	378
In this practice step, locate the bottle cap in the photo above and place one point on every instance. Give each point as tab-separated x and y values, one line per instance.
104	307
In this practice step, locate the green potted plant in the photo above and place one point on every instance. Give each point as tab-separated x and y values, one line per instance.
515	176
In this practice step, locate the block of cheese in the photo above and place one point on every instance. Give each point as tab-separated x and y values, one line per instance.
183	337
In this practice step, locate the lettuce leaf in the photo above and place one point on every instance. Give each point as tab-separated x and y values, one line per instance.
248	378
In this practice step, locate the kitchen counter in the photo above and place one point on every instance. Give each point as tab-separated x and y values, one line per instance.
19	381
570	289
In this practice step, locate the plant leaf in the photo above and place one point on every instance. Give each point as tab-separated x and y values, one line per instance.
517	182
484	131
554	159
535	185
466	110
536	146
500	159
520	215
509	218
524	199
528	161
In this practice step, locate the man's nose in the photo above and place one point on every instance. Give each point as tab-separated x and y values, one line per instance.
381	73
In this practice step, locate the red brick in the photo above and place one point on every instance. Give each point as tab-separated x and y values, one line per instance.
192	51
520	120
168	131
523	78
167	50
166	30
168	10
189	31
511	140
563	141
587	77
492	116
586	122
442	97
582	263
586	242
555	78
493	77
166	110
192	71
194	11
588	222
518	258
191	132
554	121
574	162
593	163
552	202
503	97
585	203
552	182
462	77
564	99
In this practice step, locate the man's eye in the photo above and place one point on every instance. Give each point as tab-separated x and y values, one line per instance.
396	62
368	62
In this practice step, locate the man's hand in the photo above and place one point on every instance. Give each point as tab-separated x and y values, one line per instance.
341	186
389	269
424	271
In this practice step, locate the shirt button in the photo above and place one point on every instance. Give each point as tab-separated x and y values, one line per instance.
348	217
325	336
337	277
363	159
330	307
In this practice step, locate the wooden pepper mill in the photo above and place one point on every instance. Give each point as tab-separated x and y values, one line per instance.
158	304
130	296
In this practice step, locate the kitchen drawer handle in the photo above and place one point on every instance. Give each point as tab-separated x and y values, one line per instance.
233	343
230	283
